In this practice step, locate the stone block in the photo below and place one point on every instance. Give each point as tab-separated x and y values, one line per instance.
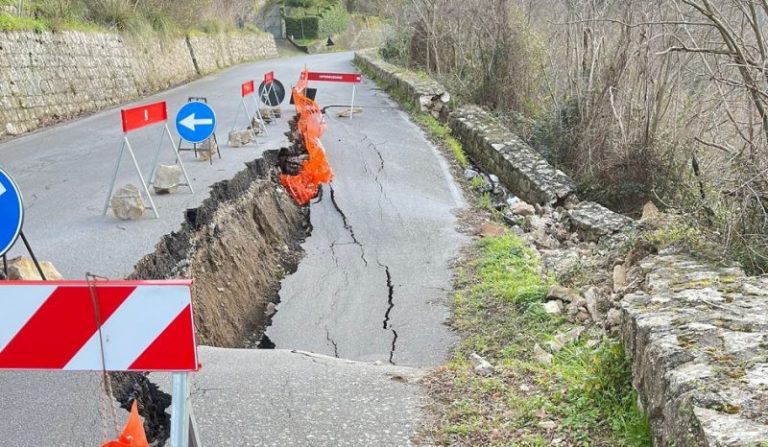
127	203
167	179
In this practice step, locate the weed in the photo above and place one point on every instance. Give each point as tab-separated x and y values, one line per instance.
587	392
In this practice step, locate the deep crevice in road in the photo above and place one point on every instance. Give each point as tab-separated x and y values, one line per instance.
332	342
347	225
390	306
152	403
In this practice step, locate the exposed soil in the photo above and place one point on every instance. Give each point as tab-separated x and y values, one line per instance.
237	246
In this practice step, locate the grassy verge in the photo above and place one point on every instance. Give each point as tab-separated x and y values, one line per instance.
583	398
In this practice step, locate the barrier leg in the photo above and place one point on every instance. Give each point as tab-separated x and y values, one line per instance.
352	104
141	177
178	159
262	125
180	410
157	159
114	176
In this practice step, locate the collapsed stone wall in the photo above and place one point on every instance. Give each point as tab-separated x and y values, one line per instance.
237	246
49	76
697	333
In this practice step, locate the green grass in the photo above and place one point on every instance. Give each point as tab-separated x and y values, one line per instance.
12	23
586	392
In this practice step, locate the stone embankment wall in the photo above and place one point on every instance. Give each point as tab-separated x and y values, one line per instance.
47	77
697	333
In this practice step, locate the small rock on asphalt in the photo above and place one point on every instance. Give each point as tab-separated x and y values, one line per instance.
23	269
127	203
167	179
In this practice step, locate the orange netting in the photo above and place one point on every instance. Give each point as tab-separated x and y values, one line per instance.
315	170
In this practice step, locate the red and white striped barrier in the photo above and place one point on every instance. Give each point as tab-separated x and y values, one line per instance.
144	326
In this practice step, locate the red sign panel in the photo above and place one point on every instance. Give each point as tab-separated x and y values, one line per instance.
350	78
142	116
269	77
111	325
248	88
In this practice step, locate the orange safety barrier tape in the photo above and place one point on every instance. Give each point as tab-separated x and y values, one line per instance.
316	170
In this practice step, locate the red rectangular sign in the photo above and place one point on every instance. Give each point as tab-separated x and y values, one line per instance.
350	78
142	116
101	325
269	77
248	88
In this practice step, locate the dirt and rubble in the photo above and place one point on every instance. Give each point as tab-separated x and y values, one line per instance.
237	246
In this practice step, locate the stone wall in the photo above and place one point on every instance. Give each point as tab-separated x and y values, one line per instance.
47	77
698	338
696	332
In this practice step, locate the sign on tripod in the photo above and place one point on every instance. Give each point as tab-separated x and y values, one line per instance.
347	78
12	210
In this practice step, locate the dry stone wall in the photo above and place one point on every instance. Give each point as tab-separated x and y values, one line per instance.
47	77
696	332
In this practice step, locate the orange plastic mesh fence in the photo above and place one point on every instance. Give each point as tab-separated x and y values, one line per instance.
316	170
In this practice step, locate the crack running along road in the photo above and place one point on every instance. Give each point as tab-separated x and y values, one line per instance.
373	283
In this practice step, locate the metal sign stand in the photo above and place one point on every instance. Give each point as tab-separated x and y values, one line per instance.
262	125
31	254
176	155
127	143
184	431
194	147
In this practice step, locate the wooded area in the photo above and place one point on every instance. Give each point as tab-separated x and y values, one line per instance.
664	100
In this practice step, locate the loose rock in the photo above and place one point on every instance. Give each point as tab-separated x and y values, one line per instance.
554	307
619	277
522	209
542	356
24	269
167	179
557	292
592	296
127	203
482	366
239	138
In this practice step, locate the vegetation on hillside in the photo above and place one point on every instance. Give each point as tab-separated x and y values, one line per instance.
664	100
584	397
133	17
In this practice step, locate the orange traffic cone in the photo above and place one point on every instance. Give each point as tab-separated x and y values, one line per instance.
133	434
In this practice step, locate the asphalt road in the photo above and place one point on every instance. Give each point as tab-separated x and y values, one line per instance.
392	191
375	280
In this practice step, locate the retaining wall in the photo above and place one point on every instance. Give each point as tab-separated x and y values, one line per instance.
697	333
47	77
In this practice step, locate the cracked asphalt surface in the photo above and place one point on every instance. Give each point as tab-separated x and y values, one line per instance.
373	286
387	224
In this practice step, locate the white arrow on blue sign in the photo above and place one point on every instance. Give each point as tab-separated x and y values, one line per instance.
196	122
11	212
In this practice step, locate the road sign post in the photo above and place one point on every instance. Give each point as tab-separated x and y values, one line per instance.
127	326
137	118
12	221
214	143
347	78
247	90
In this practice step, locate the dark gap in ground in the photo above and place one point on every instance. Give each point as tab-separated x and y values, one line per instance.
347	225
152	403
237	245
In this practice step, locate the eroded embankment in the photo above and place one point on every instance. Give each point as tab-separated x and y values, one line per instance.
236	246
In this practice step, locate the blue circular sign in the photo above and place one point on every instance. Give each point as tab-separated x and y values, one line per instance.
11	212
196	122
